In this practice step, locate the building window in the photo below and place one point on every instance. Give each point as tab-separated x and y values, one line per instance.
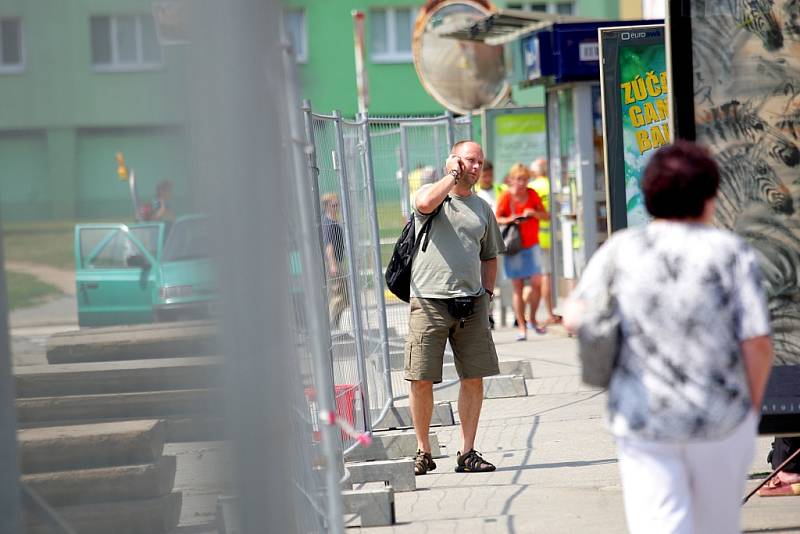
294	24
559	8
124	42
11	59
391	31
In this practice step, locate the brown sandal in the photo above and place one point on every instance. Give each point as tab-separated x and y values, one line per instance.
423	462
472	462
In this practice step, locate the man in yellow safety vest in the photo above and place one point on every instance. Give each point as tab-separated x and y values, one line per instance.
541	184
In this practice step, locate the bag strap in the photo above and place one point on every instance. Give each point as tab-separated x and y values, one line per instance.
426	226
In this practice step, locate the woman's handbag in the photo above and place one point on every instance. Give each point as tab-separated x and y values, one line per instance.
512	238
600	338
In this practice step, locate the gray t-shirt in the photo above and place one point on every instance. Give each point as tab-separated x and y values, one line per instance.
462	235
687	294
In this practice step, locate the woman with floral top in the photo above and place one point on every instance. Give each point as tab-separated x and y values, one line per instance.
695	355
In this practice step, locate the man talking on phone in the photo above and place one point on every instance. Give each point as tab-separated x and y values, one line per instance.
452	282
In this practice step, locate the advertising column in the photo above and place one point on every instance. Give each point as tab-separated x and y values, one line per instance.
635	114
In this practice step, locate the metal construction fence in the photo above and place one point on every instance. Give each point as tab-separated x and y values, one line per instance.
367	171
318	461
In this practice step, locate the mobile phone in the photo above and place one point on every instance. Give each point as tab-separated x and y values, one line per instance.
460	166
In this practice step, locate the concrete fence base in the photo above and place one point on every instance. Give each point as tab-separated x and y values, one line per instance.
399	474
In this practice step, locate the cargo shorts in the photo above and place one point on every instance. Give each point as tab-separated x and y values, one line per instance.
430	325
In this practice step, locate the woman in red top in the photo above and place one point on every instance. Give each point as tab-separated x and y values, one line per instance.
522	205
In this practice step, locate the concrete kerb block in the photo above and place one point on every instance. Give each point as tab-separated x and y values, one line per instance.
133	343
521	368
227	515
494	387
505	386
399	474
375	506
391	446
400	417
511	367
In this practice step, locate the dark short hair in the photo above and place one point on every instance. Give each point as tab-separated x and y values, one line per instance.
487	165
678	181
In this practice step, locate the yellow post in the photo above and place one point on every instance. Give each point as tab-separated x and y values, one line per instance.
122	170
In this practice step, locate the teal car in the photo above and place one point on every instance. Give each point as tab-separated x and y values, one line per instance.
143	272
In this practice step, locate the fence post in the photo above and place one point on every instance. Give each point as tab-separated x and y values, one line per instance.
10	497
405	192
379	295
319	327
451	129
311	151
355	296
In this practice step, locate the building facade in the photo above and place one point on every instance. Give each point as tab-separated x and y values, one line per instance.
84	79
323	31
80	81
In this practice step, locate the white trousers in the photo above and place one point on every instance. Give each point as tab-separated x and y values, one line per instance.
686	488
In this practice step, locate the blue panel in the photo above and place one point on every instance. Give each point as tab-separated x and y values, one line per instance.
567	52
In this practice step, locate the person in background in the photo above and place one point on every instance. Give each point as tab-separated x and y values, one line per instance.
333	246
781	484
521	205
161	209
695	351
422	175
489	191
541	184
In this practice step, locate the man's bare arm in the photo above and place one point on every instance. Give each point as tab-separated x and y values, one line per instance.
331	262
489	273
428	199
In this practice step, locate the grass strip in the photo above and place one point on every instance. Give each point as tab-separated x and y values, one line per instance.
25	290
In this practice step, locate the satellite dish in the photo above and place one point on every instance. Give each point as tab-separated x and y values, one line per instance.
461	75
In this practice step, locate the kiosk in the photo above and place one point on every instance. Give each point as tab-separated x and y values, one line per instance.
564	58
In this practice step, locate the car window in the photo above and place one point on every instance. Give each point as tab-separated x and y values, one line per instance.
147	236
108	248
187	240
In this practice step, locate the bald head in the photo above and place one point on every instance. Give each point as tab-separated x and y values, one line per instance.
539	167
467	145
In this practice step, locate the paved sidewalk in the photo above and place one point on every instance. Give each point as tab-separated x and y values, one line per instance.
556	464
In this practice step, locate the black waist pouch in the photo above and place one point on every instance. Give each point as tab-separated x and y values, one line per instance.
461	307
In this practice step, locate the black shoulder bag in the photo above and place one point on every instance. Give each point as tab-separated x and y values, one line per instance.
398	271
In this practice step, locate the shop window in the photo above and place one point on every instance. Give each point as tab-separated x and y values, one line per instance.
11	58
391	31
294	24
124	42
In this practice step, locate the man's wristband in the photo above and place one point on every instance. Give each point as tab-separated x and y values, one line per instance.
490	293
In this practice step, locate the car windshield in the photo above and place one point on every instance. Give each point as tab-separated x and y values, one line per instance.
187	240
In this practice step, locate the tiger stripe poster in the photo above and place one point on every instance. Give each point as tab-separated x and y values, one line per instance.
741	100
635	94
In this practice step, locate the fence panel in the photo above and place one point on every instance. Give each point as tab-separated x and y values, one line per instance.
406	153
339	209
368	171
318	460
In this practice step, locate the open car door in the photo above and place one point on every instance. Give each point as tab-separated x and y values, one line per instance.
116	266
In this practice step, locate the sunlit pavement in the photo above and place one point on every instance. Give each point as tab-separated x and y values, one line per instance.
556	464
